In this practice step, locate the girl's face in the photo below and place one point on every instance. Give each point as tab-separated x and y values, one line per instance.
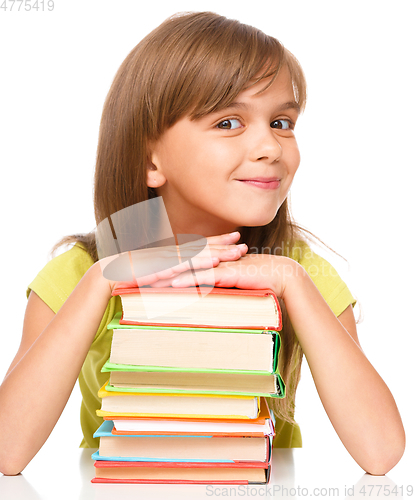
230	168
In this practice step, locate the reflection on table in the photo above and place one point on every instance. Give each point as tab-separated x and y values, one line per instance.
327	473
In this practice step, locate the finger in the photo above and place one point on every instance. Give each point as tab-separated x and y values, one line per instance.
195	263
221	239
188	251
231	252
199	262
162	283
224	239
205	260
222	250
191	278
205	277
215	244
172	272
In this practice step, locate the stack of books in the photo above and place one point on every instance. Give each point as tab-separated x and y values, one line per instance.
185	401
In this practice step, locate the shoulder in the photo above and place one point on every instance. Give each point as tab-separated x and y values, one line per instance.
56	281
329	283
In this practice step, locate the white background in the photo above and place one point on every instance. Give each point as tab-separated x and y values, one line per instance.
354	188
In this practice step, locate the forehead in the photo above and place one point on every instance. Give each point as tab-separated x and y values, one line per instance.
282	86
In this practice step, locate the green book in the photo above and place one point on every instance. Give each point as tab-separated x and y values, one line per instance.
171	349
190	360
203	383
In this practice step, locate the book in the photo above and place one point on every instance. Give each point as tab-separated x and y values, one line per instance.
261	426
264	414
183	405
193	349
188	375
219	307
181	472
234	384
179	448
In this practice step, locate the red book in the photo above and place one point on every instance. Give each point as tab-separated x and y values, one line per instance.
200	307
182	472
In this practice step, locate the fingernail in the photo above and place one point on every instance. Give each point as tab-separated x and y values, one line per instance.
176	281
234	233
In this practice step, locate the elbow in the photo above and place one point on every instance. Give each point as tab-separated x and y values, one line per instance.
6	471
9	465
9	468
15	452
382	465
382	461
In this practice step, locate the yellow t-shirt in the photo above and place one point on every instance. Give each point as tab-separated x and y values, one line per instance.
59	277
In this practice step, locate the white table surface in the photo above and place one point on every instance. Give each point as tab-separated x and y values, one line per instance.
328	472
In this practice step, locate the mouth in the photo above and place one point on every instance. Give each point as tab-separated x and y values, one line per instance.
263	182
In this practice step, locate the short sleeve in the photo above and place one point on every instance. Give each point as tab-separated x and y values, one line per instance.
56	281
333	289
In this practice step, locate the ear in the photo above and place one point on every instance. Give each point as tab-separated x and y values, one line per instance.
155	177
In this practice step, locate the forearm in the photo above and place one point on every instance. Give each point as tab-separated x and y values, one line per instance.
35	392
357	401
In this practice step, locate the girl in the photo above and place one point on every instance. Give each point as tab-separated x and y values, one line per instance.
201	113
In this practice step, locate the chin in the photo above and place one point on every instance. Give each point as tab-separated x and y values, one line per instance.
256	221
260	219
248	217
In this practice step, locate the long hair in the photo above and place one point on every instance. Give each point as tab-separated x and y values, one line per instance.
191	65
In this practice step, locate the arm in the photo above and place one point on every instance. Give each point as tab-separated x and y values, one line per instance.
357	401
43	373
45	369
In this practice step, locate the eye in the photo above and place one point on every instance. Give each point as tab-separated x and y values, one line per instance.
282	124
229	124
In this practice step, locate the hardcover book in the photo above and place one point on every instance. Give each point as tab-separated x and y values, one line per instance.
180	448
194	348
230	384
173	405
221	307
181	472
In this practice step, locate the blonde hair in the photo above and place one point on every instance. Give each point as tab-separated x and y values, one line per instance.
191	65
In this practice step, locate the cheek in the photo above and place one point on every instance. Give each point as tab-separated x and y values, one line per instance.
175	159
209	160
293	159
297	163
212	152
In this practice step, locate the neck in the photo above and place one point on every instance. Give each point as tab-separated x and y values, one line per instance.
184	221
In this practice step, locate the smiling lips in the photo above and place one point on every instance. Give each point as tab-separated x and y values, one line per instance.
263	182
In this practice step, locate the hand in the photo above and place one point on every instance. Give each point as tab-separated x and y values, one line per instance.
219	249
251	271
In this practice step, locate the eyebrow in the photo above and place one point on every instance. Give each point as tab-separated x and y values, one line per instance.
283	107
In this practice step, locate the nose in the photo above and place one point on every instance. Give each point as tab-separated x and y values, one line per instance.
265	145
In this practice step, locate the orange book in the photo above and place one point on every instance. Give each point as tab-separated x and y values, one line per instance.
262	425
200	307
181	472
260	419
